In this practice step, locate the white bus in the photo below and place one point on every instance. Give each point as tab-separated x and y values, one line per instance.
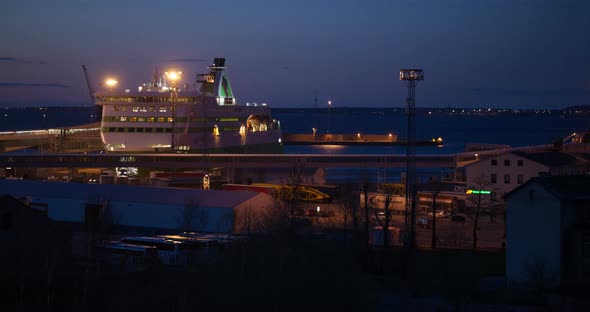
170	252
134	257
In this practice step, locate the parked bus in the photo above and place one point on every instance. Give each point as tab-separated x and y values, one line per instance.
134	257
170	252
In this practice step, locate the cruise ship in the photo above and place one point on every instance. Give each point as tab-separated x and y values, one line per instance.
162	116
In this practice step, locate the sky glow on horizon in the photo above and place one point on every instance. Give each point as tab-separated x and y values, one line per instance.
504	53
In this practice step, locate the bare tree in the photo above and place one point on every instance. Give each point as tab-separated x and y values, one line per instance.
480	182
366	200
192	216
434	188
389	191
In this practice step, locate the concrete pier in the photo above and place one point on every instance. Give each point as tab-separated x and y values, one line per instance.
350	139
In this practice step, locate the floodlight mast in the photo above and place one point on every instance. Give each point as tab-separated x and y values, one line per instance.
411	77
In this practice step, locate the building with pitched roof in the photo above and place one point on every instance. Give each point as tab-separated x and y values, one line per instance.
502	173
148	207
548	231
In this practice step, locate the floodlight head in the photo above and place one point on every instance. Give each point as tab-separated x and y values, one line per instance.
411	74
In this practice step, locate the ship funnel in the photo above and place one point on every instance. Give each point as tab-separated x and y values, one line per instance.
219	62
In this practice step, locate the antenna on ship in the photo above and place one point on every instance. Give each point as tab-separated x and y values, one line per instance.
315	98
155	78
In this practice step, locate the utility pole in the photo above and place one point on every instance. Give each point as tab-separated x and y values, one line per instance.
411	77
174	77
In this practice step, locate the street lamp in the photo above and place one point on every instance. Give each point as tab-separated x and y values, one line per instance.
329	116
111	83
174	77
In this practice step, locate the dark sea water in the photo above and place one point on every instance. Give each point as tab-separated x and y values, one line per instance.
456	130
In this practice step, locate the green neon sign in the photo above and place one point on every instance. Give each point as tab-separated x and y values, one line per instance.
478	192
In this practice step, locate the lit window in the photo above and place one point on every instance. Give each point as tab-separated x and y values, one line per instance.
135	109
115	108
133	119
169	119
151	109
161	119
162	109
143	109
123	108
151	119
141	119
123	118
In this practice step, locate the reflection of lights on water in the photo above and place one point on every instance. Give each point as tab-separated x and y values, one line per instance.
332	147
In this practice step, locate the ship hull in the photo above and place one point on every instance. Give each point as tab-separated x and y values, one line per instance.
198	128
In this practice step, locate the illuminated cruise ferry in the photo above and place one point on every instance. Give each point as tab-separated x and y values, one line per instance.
162	117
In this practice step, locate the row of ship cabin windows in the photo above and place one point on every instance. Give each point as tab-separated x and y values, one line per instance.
164	119
519	162
145	99
143	109
494	178
216	130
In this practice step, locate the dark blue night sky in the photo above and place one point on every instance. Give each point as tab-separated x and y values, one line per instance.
495	53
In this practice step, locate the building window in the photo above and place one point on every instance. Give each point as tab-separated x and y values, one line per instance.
493	196
506	179
116	108
123	108
519	179
494	162
161	119
162	109
493	178
520	162
135	109
506	162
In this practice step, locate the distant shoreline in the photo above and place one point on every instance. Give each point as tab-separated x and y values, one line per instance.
569	111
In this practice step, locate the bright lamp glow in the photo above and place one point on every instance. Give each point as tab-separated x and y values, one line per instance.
173	75
110	82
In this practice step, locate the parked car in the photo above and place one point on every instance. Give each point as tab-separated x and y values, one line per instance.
441	214
424	223
458	217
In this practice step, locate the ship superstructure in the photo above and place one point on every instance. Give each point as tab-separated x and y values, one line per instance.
159	116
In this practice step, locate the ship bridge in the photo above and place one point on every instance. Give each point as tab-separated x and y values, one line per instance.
216	83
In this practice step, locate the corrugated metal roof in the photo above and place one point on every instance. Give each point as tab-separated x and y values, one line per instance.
127	193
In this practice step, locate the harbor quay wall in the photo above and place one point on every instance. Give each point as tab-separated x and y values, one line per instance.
329	137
